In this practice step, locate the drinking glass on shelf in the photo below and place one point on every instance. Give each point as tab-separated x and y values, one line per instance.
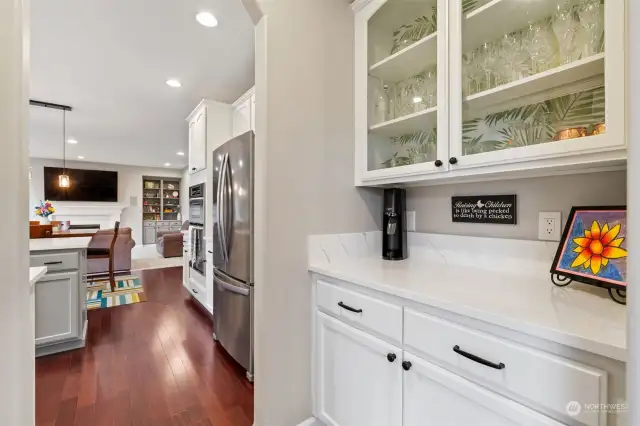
404	97
418	83
542	49
591	13
567	30
489	59
430	88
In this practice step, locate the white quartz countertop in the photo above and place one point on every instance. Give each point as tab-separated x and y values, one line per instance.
576	316
35	273
41	244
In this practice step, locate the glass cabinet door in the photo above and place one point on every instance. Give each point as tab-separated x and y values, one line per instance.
533	78
404	82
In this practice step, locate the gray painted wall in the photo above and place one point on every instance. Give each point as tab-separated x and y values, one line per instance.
555	193
304	185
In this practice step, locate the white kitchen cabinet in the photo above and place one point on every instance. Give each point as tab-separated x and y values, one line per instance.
243	113
253	112
57	308
209	277
434	396
186	255
198	139
359	377
448	90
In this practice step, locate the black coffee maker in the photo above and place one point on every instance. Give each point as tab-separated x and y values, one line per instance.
394	229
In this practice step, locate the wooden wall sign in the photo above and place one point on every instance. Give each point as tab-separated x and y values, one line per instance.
500	209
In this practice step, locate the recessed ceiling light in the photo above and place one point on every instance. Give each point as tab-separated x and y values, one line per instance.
80	157
72	141
174	83
167	164
180	153
207	19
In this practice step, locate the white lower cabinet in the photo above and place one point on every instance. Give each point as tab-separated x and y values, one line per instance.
358	385
57	307
185	261
434	396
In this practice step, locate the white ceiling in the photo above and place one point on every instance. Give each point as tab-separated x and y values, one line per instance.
110	59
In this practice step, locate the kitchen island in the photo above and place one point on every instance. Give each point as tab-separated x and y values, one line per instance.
60	294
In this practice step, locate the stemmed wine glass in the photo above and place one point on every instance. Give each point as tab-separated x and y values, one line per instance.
542	48
430	88
591	13
566	29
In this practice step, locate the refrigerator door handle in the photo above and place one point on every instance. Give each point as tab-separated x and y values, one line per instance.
221	208
228	205
233	288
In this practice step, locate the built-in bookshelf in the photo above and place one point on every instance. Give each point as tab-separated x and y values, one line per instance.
160	198
160	206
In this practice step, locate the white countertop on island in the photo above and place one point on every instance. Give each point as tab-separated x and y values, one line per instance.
35	273
43	244
472	282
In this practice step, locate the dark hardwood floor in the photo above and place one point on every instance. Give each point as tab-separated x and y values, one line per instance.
152	363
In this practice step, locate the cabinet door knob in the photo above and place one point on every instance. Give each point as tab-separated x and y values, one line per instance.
438	163
193	168
453	160
391	357
406	365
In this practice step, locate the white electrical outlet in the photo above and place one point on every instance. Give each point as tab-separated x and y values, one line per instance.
549	224
411	221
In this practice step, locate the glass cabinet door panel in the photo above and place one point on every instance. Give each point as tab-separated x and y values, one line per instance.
403	99
531	73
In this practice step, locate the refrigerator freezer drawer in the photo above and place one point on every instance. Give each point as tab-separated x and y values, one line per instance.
233	303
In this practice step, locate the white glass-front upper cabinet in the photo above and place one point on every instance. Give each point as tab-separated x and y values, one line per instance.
534	81
401	89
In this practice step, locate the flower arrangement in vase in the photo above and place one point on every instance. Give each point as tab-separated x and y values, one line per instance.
44	210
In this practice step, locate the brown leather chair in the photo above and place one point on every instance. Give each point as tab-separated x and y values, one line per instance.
170	243
106	253
122	251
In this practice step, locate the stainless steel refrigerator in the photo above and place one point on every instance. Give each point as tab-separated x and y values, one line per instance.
233	248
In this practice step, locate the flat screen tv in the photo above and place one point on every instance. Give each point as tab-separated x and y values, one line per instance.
86	185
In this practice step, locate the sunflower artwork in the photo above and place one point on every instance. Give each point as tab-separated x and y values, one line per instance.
593	247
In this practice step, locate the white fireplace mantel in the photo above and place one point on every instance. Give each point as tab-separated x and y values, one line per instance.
103	215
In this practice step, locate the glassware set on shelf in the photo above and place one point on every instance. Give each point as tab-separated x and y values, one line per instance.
572	33
410	96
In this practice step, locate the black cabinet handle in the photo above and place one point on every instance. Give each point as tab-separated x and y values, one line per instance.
406	365
438	163
58	262
194	290
209	251
185	251
477	359
453	160
349	308
391	357
193	168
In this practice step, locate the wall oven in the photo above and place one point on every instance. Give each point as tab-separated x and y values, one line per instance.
196	205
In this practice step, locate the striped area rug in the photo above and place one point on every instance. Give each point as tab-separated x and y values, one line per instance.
128	290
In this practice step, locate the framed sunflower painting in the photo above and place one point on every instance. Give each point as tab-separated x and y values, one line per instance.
593	249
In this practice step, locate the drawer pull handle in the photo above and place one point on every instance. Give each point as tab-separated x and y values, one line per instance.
209	251
349	308
58	262
194	290
391	357
477	359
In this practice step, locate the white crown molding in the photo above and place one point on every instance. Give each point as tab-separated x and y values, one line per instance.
204	102
357	5
245	96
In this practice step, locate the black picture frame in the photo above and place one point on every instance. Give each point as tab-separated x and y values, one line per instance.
576	277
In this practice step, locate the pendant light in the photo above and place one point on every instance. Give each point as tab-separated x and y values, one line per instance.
63	179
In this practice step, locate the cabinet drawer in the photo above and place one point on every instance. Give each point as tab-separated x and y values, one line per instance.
197	291
56	261
370	313
176	228
508	366
149	224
